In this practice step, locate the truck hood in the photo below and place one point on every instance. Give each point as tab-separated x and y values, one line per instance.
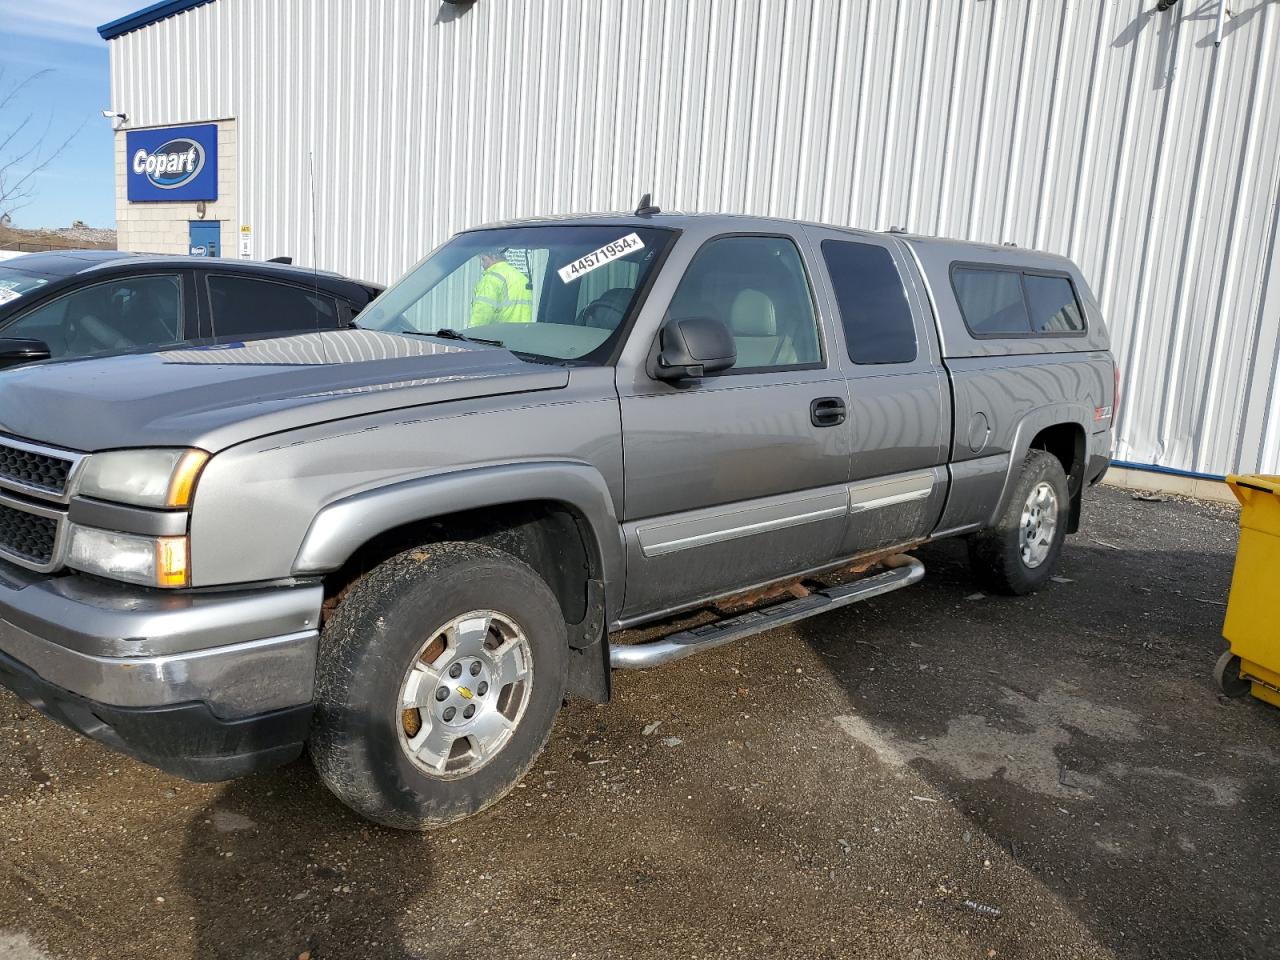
214	397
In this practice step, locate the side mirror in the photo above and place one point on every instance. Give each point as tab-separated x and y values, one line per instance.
14	352
691	347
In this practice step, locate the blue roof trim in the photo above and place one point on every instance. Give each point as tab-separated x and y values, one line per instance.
147	16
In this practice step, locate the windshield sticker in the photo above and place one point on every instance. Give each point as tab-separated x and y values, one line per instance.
7	294
598	258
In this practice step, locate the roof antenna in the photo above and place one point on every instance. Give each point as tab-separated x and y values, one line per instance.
646	208
315	261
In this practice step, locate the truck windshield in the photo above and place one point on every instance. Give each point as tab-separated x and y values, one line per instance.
554	292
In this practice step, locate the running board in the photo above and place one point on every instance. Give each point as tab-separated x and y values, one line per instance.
903	572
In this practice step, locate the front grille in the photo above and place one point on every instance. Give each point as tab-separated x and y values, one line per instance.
33	469
27	536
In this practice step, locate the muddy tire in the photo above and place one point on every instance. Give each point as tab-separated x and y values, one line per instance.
1019	553
439	678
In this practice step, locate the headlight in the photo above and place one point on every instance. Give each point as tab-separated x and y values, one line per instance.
152	561
146	478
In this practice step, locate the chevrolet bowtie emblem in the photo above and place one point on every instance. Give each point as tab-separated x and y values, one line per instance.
466	692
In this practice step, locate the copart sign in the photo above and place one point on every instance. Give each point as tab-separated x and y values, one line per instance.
172	163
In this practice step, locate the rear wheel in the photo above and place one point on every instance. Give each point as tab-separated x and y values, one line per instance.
1019	553
439	679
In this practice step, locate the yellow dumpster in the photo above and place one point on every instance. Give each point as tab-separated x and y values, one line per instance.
1252	627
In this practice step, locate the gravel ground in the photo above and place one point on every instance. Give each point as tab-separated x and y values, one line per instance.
836	789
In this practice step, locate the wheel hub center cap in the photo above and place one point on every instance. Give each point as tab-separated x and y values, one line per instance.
464	689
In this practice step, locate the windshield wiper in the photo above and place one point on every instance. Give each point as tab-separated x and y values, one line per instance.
449	333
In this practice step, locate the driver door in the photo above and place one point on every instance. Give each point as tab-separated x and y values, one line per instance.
736	479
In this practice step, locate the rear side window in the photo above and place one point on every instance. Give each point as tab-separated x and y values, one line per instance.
1053	304
249	307
991	301
1016	303
878	325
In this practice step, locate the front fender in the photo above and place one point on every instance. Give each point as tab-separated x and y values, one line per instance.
343	526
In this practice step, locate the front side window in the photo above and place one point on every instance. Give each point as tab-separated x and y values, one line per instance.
126	314
758	287
559	293
253	307
877	319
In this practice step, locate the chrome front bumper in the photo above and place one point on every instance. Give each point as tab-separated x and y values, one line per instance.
240	653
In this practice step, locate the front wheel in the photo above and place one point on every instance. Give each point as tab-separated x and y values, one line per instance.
439	679
1018	554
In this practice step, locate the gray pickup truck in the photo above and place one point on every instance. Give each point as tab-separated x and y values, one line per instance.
399	546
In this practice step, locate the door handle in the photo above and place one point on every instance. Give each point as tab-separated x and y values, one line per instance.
827	412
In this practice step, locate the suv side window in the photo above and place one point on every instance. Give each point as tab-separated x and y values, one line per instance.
124	314
877	319
252	307
758	286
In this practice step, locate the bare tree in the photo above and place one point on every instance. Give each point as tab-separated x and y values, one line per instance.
25	149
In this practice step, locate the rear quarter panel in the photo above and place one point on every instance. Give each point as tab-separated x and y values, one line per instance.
1002	403
1006	390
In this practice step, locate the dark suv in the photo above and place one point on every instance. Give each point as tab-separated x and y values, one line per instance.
79	303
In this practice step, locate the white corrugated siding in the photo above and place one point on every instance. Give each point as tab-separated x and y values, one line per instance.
1102	130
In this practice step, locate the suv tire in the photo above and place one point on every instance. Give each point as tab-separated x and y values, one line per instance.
1019	553
493	664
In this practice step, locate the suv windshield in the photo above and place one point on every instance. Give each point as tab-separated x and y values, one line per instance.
558	292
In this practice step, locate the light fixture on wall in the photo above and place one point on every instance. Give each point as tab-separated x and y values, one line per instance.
451	10
1219	18
201	209
113	116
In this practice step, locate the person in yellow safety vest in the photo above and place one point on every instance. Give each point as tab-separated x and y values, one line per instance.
502	295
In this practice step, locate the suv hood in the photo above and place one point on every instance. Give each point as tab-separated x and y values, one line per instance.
213	397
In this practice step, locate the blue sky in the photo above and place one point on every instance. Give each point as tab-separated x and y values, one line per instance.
61	36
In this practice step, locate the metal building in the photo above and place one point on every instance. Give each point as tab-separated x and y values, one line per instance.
360	133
